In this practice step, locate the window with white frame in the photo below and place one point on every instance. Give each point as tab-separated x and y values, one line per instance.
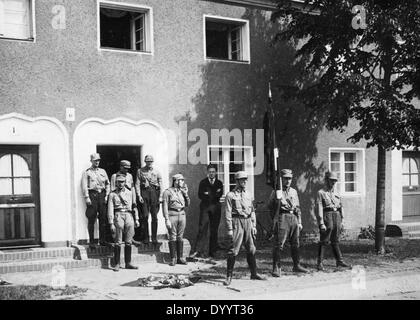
229	160
349	167
125	27
226	39
16	19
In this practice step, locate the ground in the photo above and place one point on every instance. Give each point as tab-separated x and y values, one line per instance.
395	275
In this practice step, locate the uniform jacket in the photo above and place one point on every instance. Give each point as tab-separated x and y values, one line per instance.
129	182
95	179
146	178
238	202
328	200
174	198
124	199
288	203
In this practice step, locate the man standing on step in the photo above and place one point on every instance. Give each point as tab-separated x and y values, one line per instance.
125	166
241	226
95	188
149	191
287	223
210	191
121	209
175	200
329	214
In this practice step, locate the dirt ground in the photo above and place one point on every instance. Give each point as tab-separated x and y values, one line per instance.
395	275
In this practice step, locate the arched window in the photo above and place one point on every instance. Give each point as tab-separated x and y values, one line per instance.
410	172
15	176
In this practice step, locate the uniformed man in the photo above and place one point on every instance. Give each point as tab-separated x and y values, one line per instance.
125	166
122	218
149	191
241	226
329	214
95	188
210	191
287	223
175	200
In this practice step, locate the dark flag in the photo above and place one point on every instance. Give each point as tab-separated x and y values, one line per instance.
270	145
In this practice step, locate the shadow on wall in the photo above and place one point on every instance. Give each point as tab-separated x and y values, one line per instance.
234	95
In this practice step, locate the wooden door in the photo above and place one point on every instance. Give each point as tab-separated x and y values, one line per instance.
19	196
411	184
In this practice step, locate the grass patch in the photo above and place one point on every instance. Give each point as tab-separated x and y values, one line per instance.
39	292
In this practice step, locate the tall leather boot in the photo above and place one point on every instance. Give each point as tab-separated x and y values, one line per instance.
154	231
229	269
91	231
338	256
117	255
252	263
321	251
172	249
127	257
102	234
180	252
276	265
296	261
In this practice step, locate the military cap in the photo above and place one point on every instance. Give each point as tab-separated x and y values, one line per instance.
286	173
125	164
241	175
178	176
95	156
331	175
148	158
121	177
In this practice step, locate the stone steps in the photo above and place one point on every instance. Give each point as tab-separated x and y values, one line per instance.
44	259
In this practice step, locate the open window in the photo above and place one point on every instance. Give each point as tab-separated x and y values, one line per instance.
17	19
226	39
125	27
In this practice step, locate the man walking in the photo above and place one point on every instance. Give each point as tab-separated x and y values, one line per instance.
287	223
95	188
329	214
175	199
149	191
241	226
210	191
121	206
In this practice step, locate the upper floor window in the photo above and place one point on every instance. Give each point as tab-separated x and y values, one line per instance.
229	160
16	19
226	39
348	164
124	27
411	169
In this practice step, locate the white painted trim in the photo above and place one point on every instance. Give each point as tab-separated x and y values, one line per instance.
396	185
362	181
246	43
65	175
148	26
32	26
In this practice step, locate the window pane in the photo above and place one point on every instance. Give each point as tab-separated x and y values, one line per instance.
22	186
414	179
20	167
350	187
6	166
5	186
16	19
406	165
414	168
335	156
335	167
349	156
406	180
350	177
115	28
215	155
350	167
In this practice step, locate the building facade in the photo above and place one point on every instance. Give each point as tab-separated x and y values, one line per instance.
136	77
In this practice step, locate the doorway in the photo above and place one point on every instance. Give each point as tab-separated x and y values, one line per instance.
20	223
111	155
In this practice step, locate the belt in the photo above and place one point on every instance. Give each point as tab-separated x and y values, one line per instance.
96	191
151	186
177	209
122	210
285	212
330	210
240	216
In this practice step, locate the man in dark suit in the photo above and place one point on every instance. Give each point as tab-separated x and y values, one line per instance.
210	191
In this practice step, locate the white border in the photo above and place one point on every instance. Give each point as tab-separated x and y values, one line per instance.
33	26
362	181
247	45
126	5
